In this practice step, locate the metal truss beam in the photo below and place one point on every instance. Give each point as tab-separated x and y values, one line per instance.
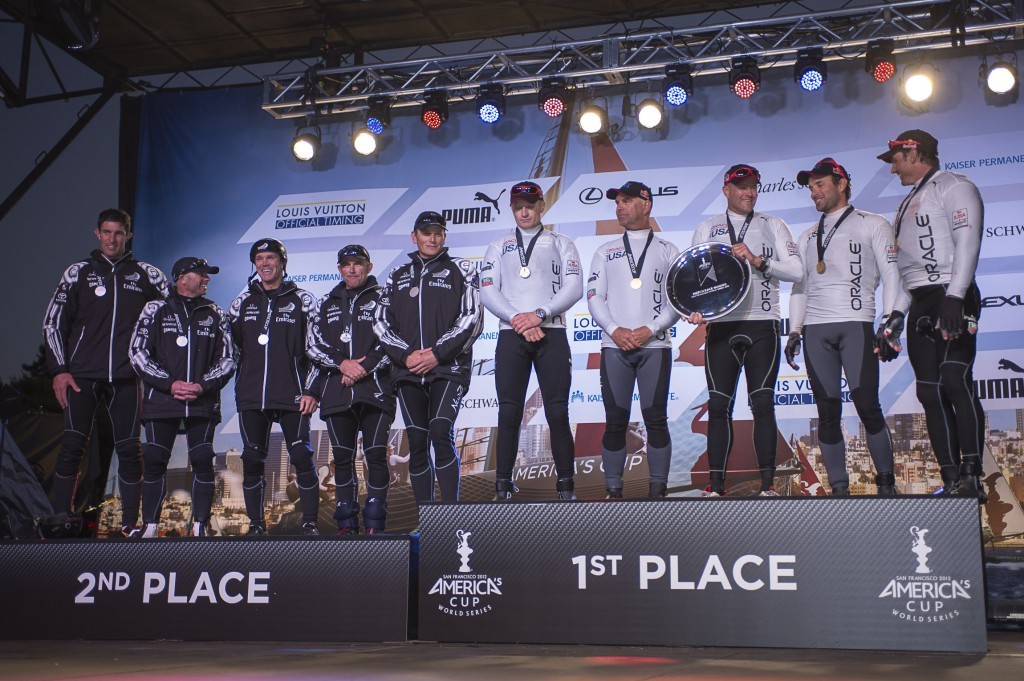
705	41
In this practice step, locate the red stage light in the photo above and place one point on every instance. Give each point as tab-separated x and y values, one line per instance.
883	71
744	88
432	119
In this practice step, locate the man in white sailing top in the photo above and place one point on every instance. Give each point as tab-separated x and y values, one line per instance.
938	235
529	278
845	256
746	338
627	297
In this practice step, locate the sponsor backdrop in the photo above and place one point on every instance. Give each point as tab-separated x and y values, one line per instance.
883	574
230	590
217	174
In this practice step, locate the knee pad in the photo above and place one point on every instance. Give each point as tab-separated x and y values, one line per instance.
72	449
440	432
929	397
953	376
762	404
830	411
616	422
202	469
253	462
375	513
301	456
869	410
346	512
510	416
719	405
656	422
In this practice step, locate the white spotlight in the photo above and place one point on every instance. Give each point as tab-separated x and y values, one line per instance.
364	142
918	87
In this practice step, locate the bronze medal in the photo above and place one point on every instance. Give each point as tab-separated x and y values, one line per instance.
821	267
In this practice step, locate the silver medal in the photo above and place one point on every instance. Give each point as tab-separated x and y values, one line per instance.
181	341
635	283
346	337
414	291
100	291
263	339
524	272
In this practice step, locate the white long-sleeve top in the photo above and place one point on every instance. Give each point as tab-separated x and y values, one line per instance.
940	233
768	237
554	285
613	303
860	254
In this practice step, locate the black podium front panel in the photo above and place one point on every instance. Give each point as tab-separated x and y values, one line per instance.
282	589
901	573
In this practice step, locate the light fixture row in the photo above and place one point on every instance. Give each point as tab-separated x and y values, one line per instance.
554	96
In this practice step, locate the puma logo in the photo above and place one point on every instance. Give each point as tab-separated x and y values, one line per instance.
480	196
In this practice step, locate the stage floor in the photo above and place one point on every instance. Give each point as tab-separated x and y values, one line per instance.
175	660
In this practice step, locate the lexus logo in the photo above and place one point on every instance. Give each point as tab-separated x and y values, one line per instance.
591	195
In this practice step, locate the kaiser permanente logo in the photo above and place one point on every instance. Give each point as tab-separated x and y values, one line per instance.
924	597
465	593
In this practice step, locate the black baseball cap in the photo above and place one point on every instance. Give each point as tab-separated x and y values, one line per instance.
527	191
632	188
191	264
741	172
353	251
823	168
910	139
430	218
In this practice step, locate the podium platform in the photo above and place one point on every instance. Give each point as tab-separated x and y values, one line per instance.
883	573
224	589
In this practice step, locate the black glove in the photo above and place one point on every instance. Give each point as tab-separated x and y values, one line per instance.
793	349
951	317
887	338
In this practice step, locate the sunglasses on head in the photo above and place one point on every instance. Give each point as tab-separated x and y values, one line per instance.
836	168
196	264
903	144
521	189
742	174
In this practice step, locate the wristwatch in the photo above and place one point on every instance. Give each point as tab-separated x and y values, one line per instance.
763	267
541	313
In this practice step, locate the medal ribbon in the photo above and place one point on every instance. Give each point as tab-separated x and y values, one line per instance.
821	228
905	205
743	230
524	256
636	267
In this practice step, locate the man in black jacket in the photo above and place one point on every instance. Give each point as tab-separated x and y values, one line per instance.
87	329
181	349
354	389
268	327
428	317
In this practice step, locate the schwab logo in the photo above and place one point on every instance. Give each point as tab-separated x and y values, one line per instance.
465	593
923	597
480	403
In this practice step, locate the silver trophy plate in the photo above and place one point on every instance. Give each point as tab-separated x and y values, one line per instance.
709	279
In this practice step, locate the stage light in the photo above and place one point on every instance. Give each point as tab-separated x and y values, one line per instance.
434	111
378	114
678	84
1001	78
553	97
879	61
810	70
306	145
593	119
744	77
918	87
364	142
490	103
649	114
